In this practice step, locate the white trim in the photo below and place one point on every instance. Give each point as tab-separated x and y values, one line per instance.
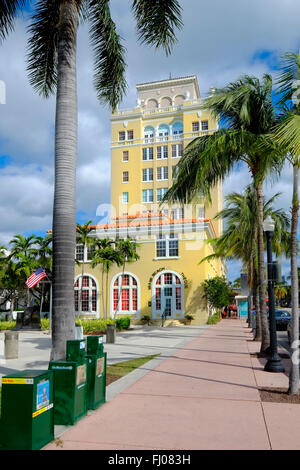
79	276
138	312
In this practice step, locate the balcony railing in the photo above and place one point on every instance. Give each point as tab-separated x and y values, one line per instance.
170	138
159	110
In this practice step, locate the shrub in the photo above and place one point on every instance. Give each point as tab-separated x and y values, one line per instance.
45	323
188	317
213	319
7	325
123	323
93	326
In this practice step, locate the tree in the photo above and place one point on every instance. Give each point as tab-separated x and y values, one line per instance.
218	292
106	255
127	252
23	254
52	69
17	264
280	291
288	135
239	238
247	114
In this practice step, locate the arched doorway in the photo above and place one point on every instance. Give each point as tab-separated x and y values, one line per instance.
168	295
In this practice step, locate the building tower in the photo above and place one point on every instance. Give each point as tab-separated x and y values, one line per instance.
147	142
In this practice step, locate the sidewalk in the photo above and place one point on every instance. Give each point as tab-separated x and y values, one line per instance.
204	396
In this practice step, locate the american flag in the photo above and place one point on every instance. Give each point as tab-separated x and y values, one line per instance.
35	277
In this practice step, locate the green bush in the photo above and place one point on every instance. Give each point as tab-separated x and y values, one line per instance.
93	326
213	319
45	323
100	325
7	325
123	323
89	326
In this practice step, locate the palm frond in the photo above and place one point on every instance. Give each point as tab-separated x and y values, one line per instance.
42	47
288	134
288	72
204	163
109	75
244	104
8	12
157	21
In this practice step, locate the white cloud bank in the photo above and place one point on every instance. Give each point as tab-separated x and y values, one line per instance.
219	42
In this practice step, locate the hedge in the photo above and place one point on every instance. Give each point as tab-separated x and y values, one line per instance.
89	326
213	319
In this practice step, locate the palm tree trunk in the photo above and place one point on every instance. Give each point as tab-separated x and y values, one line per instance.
64	211
106	306
294	371
103	307
120	291
82	273
256	305
265	336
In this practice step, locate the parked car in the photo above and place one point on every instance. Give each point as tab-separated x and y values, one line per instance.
282	318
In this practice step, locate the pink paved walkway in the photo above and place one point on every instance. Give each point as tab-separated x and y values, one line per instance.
205	396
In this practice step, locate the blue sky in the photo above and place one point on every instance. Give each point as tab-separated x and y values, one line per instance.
220	41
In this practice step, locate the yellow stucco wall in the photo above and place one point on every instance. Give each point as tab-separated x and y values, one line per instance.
186	264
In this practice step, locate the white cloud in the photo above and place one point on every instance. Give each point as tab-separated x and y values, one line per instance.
219	42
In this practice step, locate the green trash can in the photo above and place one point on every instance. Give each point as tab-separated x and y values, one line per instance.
70	384
27	412
96	372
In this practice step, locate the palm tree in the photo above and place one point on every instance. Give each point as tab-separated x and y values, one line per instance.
106	255
52	68
288	135
239	239
245	108
21	244
127	252
280	291
43	255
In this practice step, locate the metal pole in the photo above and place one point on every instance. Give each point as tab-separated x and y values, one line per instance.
50	312
274	363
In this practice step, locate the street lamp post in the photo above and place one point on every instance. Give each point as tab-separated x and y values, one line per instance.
273	363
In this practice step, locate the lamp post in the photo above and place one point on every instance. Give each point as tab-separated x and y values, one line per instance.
274	363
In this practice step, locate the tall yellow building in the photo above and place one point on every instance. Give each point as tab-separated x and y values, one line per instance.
147	142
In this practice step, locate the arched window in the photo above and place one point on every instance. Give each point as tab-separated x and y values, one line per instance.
178	100
163	132
165	102
85	295
148	134
125	294
152	103
168	292
177	129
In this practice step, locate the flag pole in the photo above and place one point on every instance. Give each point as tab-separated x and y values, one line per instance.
42	296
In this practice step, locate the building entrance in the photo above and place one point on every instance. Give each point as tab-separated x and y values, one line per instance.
168	295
